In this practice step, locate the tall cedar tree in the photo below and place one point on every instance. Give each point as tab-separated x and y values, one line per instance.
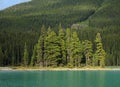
68	41
34	56
76	50
88	52
1	57
13	57
61	37
52	48
25	57
40	47
100	52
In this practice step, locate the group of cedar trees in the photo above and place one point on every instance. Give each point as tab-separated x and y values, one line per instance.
64	49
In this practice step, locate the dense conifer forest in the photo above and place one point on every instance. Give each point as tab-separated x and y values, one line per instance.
70	33
62	48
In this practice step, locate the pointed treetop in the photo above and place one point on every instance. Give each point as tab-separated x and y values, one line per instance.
98	37
60	26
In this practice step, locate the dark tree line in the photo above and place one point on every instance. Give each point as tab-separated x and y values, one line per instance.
65	47
12	46
52	49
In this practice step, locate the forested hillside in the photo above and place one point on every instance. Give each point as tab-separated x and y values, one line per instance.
107	15
22	24
32	15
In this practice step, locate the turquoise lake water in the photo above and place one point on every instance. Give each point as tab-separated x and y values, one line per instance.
8	3
59	78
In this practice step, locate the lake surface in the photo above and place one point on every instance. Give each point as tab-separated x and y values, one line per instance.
8	3
59	78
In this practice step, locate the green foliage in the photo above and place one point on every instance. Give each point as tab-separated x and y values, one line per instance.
76	50
68	41
40	47
88	52
100	52
52	48
31	15
107	15
13	58
1	58
26	56
12	44
34	56
62	44
18	24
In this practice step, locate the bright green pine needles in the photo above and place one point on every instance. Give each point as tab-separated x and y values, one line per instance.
100	52
66	49
76	50
88	52
52	48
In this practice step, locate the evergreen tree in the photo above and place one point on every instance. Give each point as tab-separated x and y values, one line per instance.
1	58
34	56
52	48
40	47
100	52
88	52
25	57
13	57
61	37
39	52
76	50
68	41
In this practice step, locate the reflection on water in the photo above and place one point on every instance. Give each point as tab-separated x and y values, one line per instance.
59	78
8	3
